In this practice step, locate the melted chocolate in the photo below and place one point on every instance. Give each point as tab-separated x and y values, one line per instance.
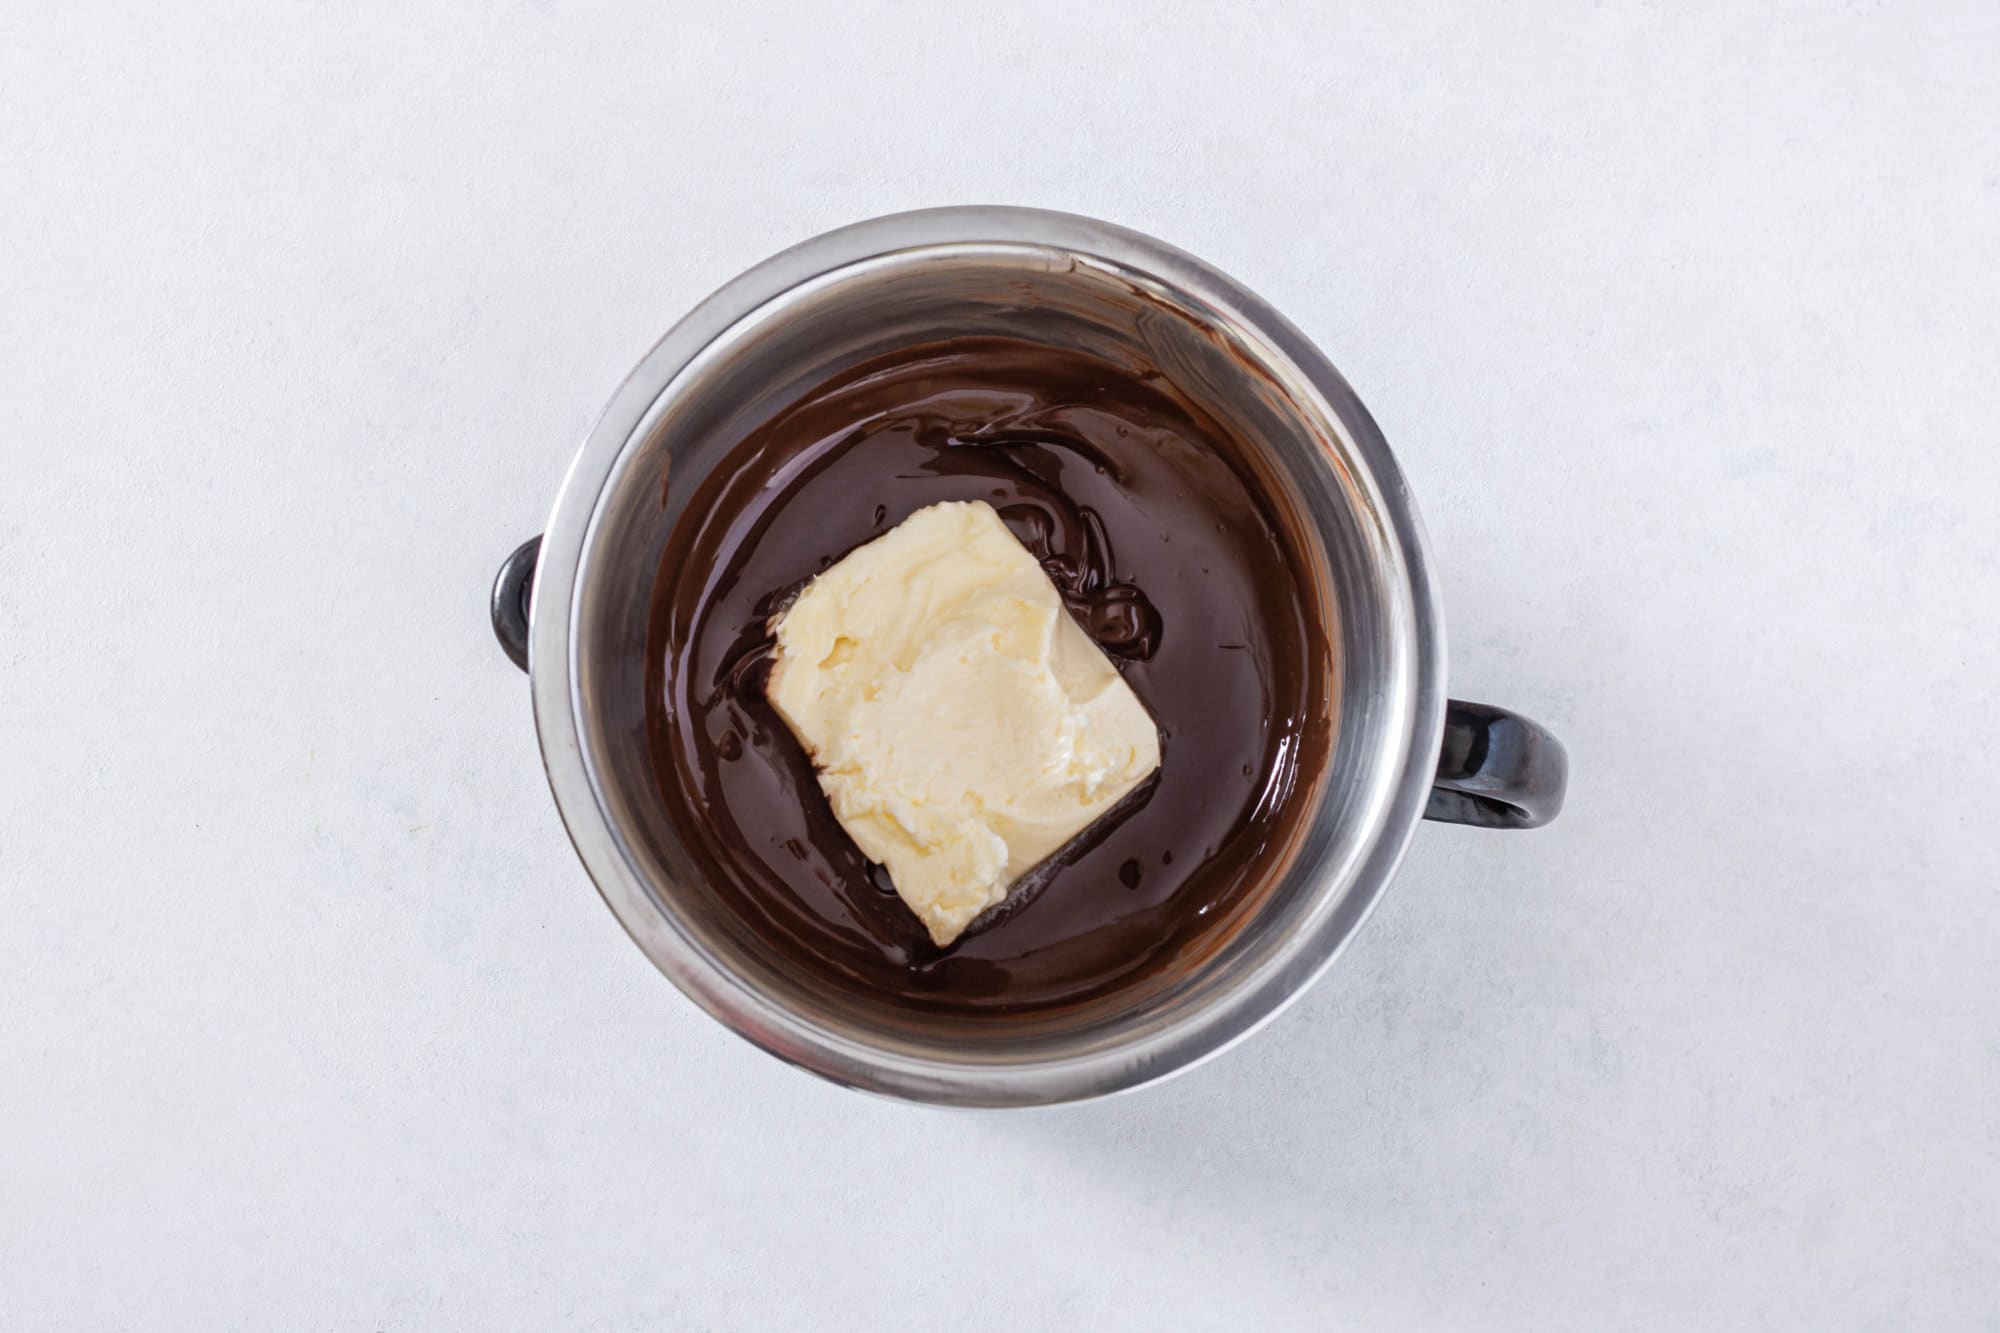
1165	552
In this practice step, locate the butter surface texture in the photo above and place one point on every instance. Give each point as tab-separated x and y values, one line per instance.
963	725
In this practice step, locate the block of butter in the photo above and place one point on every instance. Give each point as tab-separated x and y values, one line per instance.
963	725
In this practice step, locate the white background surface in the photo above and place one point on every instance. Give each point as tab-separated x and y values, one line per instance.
1684	324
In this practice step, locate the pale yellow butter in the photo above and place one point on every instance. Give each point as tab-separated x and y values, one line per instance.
963	725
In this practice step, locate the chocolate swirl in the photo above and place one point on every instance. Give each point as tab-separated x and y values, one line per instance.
1164	552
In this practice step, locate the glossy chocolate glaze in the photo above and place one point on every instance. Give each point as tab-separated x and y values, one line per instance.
1165	552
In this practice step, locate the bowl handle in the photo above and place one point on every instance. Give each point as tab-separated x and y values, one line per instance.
511	588
1496	769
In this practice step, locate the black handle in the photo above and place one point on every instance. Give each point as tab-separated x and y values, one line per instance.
1497	770
510	600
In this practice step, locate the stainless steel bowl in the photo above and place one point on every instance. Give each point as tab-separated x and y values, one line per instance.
803	316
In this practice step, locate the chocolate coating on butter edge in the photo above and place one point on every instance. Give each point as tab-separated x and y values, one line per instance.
1165	552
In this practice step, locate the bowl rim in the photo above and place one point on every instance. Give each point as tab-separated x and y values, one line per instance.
1419	695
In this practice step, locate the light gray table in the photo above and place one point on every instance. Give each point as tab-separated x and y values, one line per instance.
1685	327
